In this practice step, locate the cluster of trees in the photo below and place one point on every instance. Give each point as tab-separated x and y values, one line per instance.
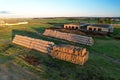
93	20
104	20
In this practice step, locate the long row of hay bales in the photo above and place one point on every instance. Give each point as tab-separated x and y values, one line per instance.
73	54
31	43
69	37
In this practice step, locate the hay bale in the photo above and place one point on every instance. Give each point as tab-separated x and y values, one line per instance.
22	42
68	57
73	54
70	49
37	44
83	52
70	37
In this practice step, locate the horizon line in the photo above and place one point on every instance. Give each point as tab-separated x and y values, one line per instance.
69	17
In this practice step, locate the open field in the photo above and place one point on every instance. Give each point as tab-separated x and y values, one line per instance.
103	62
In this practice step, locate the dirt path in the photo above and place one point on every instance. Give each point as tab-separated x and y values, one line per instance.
11	71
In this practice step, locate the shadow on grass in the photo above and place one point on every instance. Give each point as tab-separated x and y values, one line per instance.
24	33
39	30
116	34
4	58
56	24
116	31
67	71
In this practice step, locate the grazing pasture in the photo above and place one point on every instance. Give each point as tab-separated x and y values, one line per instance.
103	62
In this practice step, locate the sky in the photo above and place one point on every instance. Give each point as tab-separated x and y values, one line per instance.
59	8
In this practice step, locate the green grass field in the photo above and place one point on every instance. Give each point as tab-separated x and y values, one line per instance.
103	62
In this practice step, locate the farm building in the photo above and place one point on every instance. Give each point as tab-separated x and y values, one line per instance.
76	26
100	28
90	27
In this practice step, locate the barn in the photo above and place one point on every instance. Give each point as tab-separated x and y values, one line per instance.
90	27
76	26
100	28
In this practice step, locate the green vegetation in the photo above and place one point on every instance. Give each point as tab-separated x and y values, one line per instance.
103	63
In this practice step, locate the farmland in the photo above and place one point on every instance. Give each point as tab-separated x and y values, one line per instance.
103	62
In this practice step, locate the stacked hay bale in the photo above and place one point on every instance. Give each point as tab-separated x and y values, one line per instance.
70	37
43	46
23	40
70	53
36	44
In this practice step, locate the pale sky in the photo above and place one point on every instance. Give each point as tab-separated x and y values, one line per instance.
59	8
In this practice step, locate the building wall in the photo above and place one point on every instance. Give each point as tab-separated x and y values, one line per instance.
71	26
93	28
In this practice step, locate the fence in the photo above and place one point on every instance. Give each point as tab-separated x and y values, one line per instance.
70	37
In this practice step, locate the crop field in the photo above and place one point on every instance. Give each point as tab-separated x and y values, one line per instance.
103	62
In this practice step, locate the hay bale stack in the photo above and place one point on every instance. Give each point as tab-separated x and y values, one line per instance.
36	44
43	46
64	52
23	41
70	53
70	37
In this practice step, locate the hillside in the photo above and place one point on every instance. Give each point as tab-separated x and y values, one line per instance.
103	62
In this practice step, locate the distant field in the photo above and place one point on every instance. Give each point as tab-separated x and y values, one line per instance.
103	63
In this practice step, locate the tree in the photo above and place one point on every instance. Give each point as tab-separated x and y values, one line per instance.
100	21
109	21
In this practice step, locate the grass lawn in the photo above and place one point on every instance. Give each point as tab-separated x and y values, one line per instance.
103	63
